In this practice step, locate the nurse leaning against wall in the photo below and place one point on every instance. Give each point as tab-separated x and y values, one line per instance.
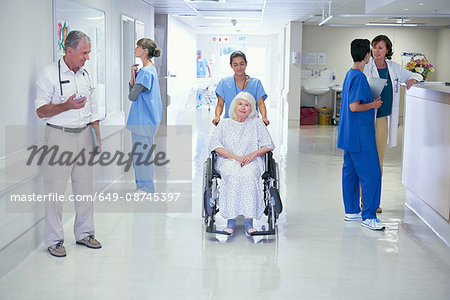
381	66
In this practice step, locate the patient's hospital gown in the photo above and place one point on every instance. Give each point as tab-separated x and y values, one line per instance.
241	188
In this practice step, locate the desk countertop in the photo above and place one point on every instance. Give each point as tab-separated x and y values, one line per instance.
433	91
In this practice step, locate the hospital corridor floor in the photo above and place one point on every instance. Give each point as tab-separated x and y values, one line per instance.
315	254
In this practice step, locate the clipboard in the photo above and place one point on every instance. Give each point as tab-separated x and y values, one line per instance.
94	141
376	86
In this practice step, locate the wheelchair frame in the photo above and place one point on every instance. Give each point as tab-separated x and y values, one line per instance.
272	200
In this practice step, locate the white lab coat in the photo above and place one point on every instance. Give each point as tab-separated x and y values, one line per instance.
398	75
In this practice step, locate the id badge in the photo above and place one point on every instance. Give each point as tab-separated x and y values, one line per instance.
396	85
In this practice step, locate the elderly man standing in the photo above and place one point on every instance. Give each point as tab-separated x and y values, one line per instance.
65	97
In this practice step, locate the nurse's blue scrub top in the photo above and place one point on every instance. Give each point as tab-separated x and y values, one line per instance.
201	68
356	132
146	110
227	89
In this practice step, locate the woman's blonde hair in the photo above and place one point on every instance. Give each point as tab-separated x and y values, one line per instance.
244	96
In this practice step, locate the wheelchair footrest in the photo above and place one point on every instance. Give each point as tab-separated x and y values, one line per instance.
261	232
219	232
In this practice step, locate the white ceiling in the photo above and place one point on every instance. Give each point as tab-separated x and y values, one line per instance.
270	16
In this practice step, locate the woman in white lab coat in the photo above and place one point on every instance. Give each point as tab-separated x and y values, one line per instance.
381	66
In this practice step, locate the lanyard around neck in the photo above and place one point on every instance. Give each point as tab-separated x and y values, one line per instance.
235	84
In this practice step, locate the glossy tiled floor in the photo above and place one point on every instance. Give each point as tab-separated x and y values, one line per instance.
316	255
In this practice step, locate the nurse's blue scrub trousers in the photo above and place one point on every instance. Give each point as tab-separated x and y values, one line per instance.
364	168
144	175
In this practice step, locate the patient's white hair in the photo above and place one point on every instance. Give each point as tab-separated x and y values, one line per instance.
245	96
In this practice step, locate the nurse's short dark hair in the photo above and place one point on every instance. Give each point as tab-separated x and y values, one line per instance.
359	49
237	54
387	42
73	39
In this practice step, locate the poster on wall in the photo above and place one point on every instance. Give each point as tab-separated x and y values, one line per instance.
63	30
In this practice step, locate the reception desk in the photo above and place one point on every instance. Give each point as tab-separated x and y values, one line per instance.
426	155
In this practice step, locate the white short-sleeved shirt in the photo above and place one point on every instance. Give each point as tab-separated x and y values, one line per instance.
48	92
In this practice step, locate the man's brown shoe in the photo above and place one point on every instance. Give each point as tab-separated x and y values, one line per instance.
90	241
379	210
57	250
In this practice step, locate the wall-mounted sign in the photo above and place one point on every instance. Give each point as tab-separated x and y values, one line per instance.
220	39
321	59
312	58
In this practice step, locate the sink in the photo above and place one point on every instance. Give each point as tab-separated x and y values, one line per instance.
316	90
317	82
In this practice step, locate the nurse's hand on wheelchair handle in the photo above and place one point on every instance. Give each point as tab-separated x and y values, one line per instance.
215	121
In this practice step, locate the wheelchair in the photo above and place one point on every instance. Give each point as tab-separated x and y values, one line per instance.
272	200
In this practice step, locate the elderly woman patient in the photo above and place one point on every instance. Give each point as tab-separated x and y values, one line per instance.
241	142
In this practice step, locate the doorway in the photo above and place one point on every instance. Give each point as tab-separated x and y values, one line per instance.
128	40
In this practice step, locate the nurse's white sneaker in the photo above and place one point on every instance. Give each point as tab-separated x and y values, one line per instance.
353	217
373	224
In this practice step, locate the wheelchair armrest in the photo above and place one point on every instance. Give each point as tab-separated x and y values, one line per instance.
213	163
269	166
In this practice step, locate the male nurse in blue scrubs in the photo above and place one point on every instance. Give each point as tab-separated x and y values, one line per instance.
356	136
202	66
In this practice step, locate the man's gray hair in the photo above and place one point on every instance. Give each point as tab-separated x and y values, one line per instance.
245	96
73	39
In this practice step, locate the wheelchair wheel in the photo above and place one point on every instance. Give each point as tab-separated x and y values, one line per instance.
272	220
208	173
207	192
277	177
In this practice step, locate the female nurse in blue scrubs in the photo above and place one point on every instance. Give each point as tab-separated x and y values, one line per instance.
145	112
229	87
